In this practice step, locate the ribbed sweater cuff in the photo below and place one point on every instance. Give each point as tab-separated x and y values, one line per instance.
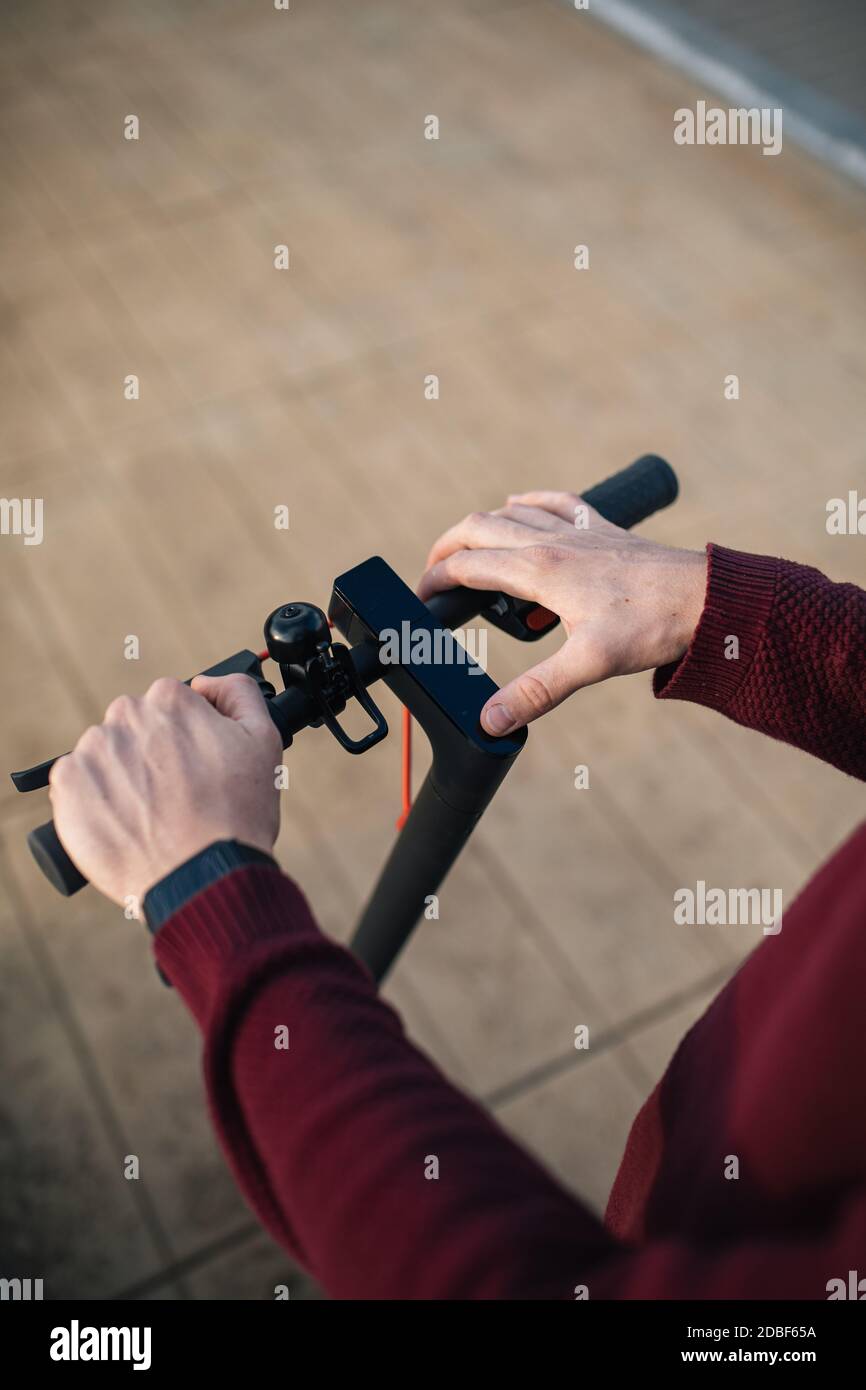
739	600
248	913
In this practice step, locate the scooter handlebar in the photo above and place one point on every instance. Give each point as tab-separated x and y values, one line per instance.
625	499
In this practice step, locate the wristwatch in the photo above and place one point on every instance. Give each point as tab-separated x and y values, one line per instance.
207	867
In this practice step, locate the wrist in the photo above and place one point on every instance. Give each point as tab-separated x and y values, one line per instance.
689	596
198	872
740	595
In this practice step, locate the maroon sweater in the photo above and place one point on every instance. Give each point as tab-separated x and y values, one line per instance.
329	1139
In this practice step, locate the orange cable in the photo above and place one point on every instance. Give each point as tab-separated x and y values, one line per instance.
407	769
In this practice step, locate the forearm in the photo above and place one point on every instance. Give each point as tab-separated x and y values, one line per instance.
377	1174
355	1152
781	649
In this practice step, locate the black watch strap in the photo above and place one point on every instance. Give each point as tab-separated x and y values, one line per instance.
166	898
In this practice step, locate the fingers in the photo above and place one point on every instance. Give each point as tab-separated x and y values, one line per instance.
507	570
481	530
535	517
123	710
543	687
568	506
513	528
236	697
61	775
529	697
97	749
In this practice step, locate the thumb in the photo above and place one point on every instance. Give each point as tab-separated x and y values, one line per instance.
529	696
237	697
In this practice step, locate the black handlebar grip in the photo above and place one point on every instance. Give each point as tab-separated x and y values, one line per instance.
53	860
632	495
626	499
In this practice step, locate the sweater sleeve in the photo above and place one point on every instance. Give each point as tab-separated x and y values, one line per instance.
371	1169
782	649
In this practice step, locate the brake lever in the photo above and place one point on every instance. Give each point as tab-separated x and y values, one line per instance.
245	663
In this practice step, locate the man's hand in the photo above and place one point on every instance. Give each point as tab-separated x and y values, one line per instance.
164	776
626	604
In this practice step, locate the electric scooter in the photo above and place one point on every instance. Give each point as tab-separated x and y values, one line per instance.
444	692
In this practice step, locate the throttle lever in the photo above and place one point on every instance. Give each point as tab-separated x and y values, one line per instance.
522	618
627	498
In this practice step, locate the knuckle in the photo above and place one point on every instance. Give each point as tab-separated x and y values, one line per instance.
559	553
533	556
121	708
547	557
60	771
476	518
535	693
166	691
244	685
90	740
